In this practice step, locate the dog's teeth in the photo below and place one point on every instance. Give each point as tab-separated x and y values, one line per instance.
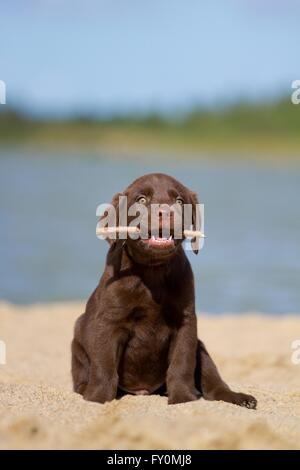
152	237
170	237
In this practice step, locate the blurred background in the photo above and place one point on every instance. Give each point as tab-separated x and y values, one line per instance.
99	92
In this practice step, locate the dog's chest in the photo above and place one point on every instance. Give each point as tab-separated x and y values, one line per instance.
149	336
154	291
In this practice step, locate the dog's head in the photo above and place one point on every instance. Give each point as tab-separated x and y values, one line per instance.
162	208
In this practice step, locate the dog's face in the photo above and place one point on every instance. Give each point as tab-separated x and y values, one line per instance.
156	192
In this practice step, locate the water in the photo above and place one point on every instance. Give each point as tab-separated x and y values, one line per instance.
49	251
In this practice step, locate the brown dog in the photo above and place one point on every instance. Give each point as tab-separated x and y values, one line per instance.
139	331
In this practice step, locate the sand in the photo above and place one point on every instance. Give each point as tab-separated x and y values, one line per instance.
38	409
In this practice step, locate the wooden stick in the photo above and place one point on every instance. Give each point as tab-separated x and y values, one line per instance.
193	234
108	230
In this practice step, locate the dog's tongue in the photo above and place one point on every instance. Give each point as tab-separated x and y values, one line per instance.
160	242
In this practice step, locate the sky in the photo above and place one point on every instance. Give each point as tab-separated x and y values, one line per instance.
64	56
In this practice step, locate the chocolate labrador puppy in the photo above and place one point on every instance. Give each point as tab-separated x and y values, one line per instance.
139	332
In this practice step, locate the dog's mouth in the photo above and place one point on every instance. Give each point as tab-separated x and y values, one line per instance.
158	239
160	242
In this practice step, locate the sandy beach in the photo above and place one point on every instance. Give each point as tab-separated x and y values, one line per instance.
38	409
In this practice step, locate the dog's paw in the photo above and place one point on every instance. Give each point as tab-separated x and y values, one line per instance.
182	396
241	399
80	388
98	394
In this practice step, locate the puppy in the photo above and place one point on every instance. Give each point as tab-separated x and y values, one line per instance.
139	332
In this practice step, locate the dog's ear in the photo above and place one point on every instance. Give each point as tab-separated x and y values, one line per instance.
196	220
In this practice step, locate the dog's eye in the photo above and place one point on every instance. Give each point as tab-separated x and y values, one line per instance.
142	200
179	200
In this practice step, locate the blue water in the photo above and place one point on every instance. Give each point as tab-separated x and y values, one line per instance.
49	251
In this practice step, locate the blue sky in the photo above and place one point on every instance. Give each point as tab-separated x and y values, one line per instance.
59	56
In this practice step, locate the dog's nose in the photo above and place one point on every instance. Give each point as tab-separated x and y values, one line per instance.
166	221
164	213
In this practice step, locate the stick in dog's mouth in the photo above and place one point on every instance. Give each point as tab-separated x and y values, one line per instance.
100	231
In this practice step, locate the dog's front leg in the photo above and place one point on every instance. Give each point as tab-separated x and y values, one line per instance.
182	362
103	373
